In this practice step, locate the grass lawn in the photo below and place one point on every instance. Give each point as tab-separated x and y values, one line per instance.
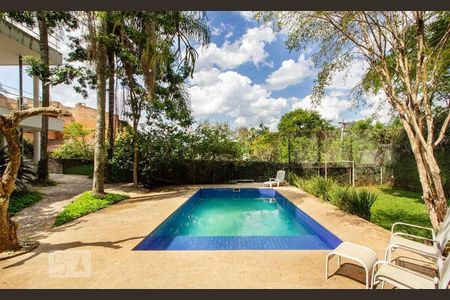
21	200
85	204
397	205
86	169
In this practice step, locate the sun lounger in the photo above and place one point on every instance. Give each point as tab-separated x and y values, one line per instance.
278	180
400	277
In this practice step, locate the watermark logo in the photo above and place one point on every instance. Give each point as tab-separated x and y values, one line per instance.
70	263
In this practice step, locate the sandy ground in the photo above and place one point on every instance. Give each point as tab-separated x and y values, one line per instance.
95	251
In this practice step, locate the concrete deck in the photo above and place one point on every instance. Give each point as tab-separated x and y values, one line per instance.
106	239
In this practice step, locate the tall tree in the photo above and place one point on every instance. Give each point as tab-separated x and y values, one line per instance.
9	125
47	22
149	56
302	122
408	53
42	174
111	93
97	35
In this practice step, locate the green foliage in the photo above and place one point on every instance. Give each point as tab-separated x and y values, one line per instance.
22	199
302	122
75	130
72	149
349	199
265	146
215	141
75	145
26	172
316	186
28	148
354	201
85	204
404	166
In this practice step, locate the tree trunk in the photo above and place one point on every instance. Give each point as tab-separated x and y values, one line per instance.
135	155
99	150
111	101
8	229
430	178
9	128
42	174
319	147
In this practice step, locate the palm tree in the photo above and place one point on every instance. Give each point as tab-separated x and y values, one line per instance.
150	36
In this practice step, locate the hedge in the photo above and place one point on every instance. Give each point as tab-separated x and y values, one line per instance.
212	172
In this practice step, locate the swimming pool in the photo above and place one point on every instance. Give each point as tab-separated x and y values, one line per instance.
239	219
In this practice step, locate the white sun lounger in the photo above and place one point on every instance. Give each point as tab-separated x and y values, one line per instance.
403	278
405	241
278	180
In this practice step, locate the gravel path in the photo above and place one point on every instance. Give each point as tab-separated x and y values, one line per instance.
36	220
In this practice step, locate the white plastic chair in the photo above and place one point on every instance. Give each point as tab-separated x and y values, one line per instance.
278	180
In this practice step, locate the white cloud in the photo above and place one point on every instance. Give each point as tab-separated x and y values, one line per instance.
331	106
216	31
350	77
378	108
228	35
240	121
248	48
291	72
67	96
247	15
231	95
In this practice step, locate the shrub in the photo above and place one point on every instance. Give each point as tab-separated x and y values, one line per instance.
74	149
26	170
358	202
22	199
85	204
316	185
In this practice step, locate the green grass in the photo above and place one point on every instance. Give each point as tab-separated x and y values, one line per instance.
85	204
86	169
21	200
397	205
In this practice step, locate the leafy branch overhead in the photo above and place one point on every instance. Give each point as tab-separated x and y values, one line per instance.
407	54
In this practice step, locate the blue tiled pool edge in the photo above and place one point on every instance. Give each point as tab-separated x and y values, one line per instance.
322	240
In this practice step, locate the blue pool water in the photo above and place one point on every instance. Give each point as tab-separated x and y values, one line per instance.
224	219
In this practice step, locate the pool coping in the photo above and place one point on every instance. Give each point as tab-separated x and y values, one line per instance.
322	239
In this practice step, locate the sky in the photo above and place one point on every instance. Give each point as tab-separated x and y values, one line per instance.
246	76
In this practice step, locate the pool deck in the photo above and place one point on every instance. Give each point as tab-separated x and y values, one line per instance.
99	247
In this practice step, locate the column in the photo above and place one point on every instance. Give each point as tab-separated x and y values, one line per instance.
36	133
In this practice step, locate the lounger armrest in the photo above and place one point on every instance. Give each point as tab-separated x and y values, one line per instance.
384	262
272	179
414	236
380	262
411	225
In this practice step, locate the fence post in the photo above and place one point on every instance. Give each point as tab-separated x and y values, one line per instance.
353	173
381	175
326	171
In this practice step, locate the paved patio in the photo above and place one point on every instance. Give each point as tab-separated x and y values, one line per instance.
106	239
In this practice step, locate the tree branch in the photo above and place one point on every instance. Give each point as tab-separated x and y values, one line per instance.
17	116
443	130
